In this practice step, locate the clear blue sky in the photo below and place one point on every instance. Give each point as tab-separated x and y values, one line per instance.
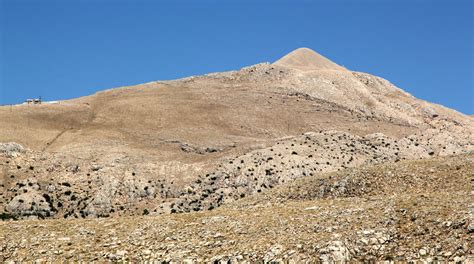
63	49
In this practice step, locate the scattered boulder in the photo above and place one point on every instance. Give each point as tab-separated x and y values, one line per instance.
11	149
30	204
100	206
335	252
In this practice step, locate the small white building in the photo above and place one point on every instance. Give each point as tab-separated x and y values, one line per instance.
33	101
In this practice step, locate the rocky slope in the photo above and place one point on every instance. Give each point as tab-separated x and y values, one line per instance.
40	185
410	210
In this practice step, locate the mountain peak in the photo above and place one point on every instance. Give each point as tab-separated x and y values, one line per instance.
306	59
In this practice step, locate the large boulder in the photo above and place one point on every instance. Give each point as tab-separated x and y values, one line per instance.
11	149
30	204
100	206
335	252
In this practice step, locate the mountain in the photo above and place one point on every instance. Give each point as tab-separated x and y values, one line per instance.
203	142
305	59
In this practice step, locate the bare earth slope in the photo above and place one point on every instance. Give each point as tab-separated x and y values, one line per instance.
198	143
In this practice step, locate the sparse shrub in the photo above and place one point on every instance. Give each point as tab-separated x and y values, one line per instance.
6	216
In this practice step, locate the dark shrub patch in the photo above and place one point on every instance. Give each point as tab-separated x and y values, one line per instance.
6	216
47	198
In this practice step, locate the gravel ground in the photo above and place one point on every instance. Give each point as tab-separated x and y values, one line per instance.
409	210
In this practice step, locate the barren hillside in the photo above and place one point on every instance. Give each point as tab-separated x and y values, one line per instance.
202	142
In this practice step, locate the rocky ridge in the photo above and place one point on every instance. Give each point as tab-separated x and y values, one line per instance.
101	190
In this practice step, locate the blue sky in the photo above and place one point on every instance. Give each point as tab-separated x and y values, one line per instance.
66	49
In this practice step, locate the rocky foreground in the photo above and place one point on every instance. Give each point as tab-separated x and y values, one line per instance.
409	210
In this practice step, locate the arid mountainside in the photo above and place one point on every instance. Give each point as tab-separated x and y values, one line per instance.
135	149
233	138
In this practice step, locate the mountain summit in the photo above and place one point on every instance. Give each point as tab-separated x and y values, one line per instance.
306	59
